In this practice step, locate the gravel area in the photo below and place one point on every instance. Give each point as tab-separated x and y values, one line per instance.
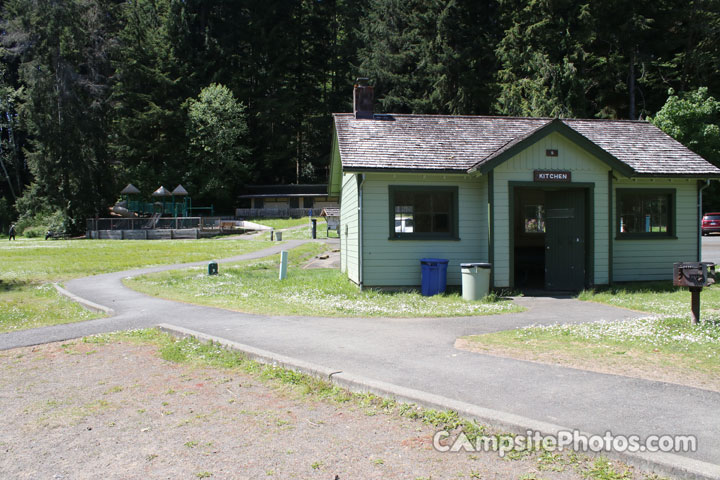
81	410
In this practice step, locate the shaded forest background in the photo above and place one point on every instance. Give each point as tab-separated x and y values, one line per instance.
95	94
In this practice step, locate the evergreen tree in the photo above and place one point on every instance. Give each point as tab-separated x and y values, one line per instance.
543	58
13	172
63	52
148	136
693	32
398	51
631	54
467	35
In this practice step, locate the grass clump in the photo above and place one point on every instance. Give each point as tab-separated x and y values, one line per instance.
253	287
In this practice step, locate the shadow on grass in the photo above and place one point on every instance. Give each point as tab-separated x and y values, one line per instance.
660	286
14	285
712	323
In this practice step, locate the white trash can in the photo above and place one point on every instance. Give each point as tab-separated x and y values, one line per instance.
475	280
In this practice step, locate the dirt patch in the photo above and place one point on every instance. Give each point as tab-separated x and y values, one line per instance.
81	410
329	259
629	364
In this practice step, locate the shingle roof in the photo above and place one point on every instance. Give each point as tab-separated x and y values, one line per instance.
130	189
459	143
330	212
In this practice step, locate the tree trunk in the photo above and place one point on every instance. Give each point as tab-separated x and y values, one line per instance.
631	85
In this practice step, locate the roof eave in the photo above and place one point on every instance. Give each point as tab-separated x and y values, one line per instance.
442	171
676	175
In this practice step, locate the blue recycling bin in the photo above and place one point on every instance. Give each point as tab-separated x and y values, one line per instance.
434	276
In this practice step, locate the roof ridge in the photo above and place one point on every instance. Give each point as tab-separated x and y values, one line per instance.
443	115
615	120
506	117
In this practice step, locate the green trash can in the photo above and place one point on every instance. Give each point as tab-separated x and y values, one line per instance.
475	280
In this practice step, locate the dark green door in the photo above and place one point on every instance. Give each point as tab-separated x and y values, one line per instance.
565	240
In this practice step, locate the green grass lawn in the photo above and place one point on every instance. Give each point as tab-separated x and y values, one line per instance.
280	223
253	287
664	339
36	260
296	233
29	265
656	297
36	305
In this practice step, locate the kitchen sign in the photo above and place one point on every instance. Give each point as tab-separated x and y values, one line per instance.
552	176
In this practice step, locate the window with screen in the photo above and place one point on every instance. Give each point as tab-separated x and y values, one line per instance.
645	213
423	212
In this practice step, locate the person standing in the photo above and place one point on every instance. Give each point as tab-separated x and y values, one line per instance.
11	232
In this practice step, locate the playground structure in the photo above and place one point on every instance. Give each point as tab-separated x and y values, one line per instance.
179	204
167	217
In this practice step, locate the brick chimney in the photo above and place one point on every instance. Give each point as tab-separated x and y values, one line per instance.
363	99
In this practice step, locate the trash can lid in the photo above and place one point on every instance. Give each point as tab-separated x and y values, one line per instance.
476	265
431	261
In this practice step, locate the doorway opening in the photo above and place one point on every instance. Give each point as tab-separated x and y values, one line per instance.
549	241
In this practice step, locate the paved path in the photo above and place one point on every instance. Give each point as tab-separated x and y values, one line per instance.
419	354
711	248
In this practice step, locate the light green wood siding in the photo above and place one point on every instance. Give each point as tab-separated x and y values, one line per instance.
652	259
397	262
585	168
349	228
335	179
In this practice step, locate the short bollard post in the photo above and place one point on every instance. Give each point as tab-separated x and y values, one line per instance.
314	228
213	268
272	235
283	265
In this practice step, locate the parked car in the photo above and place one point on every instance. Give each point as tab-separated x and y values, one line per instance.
710	223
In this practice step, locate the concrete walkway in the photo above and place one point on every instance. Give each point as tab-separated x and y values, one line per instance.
418	354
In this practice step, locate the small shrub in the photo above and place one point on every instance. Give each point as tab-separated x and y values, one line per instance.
34	232
34	226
